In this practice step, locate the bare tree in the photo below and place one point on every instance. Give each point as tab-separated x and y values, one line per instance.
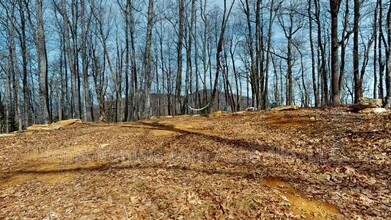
387	103
40	43
226	14
381	47
313	62
204	57
335	91
71	54
23	47
148	61
253	64
272	15
357	79
322	63
178	86
344	43
290	25
375	34
13	70
85	24
189	48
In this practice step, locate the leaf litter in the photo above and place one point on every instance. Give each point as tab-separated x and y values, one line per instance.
303	164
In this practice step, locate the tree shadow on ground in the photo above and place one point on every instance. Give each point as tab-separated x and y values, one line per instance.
319	159
110	166
253	171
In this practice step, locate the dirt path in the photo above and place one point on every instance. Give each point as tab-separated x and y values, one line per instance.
307	164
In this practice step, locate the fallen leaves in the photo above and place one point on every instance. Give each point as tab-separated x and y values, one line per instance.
320	164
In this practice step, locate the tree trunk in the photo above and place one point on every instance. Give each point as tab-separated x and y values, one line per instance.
343	44
98	76
189	70
357	79
178	86
380	59
13	68
375	74
314	77
387	103
23	47
289	81
87	114
148	62
133	79
2	115
335	91
69	56
259	74
322	71
268	52
204	50
219	50
126	12
42	64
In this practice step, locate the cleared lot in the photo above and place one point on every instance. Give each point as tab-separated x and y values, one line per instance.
304	164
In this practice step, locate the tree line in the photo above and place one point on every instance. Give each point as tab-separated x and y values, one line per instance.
123	60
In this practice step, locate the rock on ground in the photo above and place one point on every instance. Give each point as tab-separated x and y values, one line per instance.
365	102
54	126
373	110
285	108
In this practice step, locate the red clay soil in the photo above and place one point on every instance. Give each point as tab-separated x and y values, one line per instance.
304	164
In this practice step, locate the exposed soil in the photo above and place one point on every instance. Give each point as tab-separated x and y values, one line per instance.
304	164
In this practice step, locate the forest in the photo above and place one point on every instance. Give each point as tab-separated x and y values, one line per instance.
124	60
195	109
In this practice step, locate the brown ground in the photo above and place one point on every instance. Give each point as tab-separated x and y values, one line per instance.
306	164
